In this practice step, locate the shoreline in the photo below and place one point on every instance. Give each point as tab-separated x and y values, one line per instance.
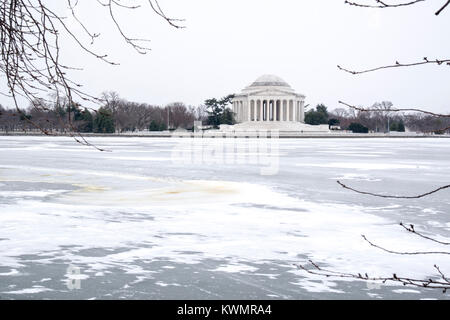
218	135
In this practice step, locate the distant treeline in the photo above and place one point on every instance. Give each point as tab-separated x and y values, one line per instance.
117	115
378	120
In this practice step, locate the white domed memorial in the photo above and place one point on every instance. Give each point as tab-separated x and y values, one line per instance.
270	103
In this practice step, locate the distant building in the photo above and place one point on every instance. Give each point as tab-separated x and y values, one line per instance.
270	103
269	98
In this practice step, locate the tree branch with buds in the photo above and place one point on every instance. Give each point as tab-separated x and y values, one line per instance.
384	4
30	55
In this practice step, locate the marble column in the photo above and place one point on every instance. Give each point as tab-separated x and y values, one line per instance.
302	111
273	110
266	109
261	110
281	110
293	110
287	111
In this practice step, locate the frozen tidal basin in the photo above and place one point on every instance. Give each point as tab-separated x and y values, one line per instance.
137	223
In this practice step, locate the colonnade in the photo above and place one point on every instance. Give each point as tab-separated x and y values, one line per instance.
269	110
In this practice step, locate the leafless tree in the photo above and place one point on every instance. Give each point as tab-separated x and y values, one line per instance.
180	115
387	109
30	57
441	281
127	116
144	114
111	101
201	113
385	4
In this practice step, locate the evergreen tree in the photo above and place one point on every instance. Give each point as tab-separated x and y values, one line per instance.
397	126
393	126
227	117
157	126
218	113
333	122
401	126
87	121
104	122
24	117
318	116
358	128
321	108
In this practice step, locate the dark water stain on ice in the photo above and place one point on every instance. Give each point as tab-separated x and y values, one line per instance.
164	279
100	252
270	207
25	186
44	275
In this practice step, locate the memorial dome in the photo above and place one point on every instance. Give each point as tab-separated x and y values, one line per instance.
269	80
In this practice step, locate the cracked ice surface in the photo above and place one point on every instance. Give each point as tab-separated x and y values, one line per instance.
141	223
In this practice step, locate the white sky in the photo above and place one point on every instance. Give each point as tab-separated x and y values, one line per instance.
227	44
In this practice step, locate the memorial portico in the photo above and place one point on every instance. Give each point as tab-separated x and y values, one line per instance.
269	99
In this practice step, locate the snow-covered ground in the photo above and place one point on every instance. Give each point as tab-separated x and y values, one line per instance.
169	218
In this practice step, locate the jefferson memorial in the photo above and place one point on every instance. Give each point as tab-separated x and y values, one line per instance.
270	103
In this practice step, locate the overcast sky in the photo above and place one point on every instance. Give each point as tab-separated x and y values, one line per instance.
227	44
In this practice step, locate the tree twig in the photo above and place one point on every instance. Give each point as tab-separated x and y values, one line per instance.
403	253
443	284
399	65
440	115
392	196
411	229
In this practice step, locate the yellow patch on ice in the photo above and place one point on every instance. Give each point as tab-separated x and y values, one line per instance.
90	189
182	192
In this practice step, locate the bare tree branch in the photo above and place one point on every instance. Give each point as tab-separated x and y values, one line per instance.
399	65
391	196
440	115
30	32
443	7
383	4
443	284
411	229
403	253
